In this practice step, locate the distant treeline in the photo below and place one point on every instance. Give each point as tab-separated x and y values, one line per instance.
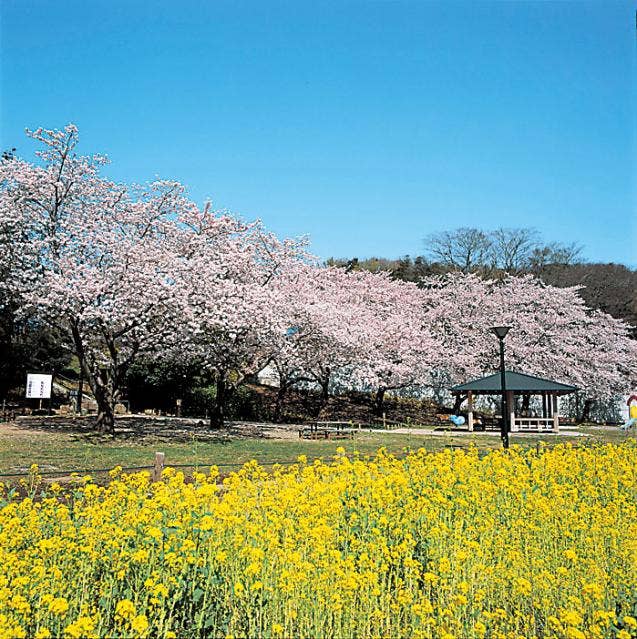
611	288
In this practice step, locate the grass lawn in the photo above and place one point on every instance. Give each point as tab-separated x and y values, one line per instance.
56	448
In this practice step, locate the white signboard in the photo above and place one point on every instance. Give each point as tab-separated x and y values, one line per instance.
39	386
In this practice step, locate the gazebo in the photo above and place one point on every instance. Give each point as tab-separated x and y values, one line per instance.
519	384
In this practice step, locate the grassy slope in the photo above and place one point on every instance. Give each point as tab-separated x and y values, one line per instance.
61	449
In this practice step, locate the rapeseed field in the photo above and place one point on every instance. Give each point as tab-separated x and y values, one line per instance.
450	545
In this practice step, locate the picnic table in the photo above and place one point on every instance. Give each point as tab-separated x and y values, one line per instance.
327	430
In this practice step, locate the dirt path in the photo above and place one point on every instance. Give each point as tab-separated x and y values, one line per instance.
140	427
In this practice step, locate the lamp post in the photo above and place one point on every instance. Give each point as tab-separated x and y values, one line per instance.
501	333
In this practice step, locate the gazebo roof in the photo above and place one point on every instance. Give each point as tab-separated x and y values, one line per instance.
516	382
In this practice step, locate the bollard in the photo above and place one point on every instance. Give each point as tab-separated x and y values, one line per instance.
159	466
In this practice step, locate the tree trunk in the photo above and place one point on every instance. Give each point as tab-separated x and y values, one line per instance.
218	412
586	411
280	398
105	419
379	401
7	331
324	383
103	385
105	422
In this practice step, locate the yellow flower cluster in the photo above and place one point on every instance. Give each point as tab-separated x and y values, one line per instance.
453	545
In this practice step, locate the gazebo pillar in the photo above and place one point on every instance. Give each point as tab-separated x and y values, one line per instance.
544	405
556	413
470	410
511	406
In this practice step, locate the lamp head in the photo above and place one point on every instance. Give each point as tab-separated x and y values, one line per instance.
501	331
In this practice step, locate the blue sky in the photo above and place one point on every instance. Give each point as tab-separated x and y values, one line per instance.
366	125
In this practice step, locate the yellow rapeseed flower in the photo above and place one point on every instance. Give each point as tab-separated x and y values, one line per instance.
496	545
125	609
59	606
139	624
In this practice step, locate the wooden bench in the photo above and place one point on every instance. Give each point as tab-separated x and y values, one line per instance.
385	424
486	423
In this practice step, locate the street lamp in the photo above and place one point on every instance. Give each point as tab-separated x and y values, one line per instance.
501	333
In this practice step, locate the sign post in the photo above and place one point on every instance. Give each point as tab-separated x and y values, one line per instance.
39	387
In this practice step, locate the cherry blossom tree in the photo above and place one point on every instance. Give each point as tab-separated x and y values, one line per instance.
229	283
323	336
127	271
400	351
355	330
89	257
301	336
333	327
553	334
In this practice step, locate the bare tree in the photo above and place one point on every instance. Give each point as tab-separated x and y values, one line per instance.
554	253
512	248
465	249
